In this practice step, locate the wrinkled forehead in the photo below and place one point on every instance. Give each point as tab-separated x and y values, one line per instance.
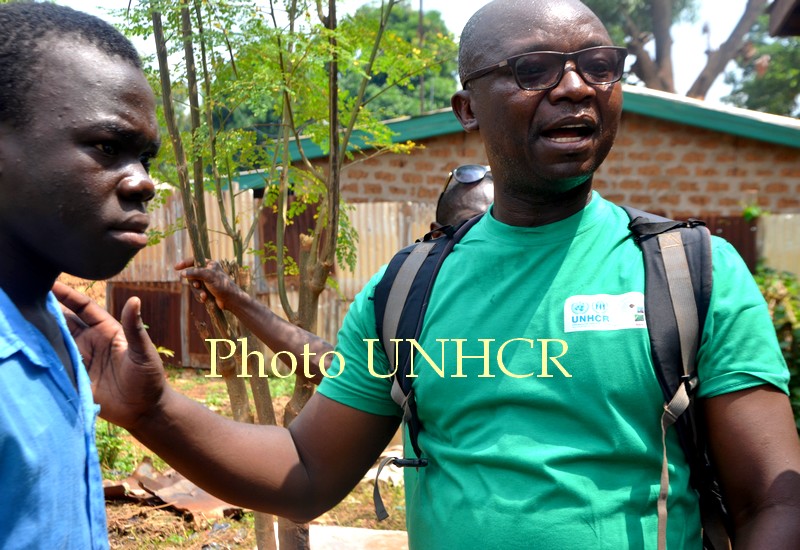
509	27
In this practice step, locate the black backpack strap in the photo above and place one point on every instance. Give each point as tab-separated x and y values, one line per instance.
400	301
678	279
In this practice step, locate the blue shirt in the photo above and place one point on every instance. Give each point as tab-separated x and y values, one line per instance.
51	491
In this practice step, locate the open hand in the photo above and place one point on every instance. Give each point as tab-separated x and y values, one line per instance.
126	372
209	282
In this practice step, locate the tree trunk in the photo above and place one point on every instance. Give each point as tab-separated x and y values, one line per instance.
719	58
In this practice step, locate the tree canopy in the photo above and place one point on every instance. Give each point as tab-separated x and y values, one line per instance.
768	78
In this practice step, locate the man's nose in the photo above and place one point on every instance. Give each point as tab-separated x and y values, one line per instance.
572	86
137	185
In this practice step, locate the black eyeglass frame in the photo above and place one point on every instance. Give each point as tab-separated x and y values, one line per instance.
512	61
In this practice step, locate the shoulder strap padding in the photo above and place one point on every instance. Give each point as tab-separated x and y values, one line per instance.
659	312
400	301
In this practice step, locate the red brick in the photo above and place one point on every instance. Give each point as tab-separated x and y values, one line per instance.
736	172
788	203
652	141
398	162
723	158
708	143
700	200
355	174
717	187
679	170
748	187
383	175
423	166
729	201
640	155
414	178
397	190
694	157
631	185
373	189
624	141
684	186
650	170
620	170
659	185
790	172
786	155
665	156
705	171
427	193
680	139
776	188
350	188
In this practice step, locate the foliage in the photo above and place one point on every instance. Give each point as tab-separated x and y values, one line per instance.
782	293
619	16
407	85
768	75
119	455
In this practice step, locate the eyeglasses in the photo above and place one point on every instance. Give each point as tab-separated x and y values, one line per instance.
543	70
468	174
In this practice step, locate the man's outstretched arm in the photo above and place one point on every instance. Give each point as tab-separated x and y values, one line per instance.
297	473
756	450
212	282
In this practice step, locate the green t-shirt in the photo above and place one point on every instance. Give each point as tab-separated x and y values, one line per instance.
546	434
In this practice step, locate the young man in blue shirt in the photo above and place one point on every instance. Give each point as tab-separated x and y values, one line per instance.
77	132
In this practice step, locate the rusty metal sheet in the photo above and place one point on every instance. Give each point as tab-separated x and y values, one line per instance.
172	489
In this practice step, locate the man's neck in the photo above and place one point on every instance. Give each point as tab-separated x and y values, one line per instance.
534	211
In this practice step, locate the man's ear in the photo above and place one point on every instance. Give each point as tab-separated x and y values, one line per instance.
462	108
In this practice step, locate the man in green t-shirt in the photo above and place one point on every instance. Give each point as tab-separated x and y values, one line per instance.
534	381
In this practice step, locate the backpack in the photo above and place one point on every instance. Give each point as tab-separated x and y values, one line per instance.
677	256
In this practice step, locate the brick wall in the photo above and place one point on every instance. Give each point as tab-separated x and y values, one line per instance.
418	176
660	166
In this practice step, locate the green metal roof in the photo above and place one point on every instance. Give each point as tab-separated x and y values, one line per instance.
643	101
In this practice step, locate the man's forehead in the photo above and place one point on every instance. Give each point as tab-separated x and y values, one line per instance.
508	28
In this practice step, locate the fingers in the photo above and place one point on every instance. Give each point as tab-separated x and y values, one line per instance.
81	305
183	264
140	348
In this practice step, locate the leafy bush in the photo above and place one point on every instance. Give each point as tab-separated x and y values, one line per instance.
782	292
117	458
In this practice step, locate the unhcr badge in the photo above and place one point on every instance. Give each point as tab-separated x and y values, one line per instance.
604	312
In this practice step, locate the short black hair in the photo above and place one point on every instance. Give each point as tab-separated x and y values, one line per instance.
24	30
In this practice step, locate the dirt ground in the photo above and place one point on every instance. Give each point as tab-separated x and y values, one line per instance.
134	525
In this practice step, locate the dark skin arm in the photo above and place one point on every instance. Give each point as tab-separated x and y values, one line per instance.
211	282
297	473
757	454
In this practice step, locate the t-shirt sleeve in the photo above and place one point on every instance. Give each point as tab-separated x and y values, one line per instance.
359	374
739	347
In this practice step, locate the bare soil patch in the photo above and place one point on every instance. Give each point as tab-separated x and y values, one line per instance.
149	525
